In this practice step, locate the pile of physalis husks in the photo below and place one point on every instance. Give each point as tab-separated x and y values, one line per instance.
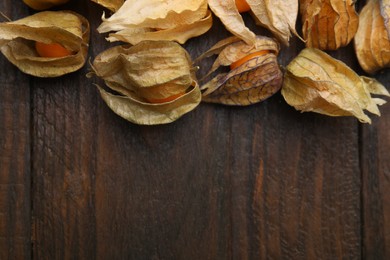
372	40
314	81
278	16
28	43
153	82
173	20
254	73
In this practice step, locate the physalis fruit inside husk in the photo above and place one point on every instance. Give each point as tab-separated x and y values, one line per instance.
278	16
314	81
372	40
174	20
254	74
46	44
153	82
328	24
242	6
51	50
43	4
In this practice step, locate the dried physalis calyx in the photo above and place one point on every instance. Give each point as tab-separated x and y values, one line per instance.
385	12
254	72
372	42
279	16
154	81
46	44
112	5
328	24
174	20
314	81
43	4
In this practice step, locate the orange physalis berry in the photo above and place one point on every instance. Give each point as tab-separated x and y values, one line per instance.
51	50
248	57
242	6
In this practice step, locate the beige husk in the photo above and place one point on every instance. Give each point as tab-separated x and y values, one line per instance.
112	5
67	28
372	43
314	81
146	71
176	20
252	82
227	12
43	4
328	24
278	16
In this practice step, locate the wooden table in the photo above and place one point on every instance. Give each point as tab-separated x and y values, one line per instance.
264	181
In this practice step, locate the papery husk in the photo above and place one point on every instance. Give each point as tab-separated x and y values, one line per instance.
43	4
328	24
316	82
385	12
180	33
176	20
112	5
372	43
65	27
227	12
148	70
252	82
279	16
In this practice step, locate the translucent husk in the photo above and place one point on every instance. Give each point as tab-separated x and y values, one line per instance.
316	82
176	20
279	16
112	5
43	4
150	70
372	42
328	24
67	28
252	82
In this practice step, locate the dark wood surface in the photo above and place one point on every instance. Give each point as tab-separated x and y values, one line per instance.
265	181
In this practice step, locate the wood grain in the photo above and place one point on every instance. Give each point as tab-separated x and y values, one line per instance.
257	182
64	128
15	145
375	146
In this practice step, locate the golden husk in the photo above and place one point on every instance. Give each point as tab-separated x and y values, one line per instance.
176	20
112	5
314	81
372	42
67	28
146	71
43	4
279	16
252	82
328	24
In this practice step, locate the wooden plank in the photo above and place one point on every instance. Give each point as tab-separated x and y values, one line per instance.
292	195
376	182
15	209
375	167
220	183
64	163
